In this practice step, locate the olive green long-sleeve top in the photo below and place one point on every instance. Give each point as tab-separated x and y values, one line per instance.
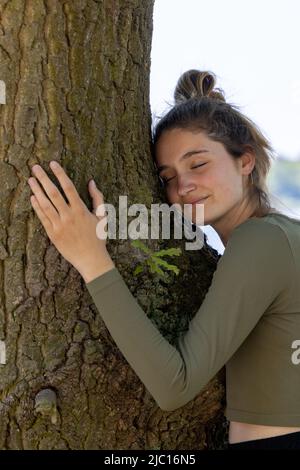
249	321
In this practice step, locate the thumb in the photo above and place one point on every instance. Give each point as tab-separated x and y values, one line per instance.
97	196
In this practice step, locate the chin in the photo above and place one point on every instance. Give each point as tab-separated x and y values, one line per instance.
205	220
209	218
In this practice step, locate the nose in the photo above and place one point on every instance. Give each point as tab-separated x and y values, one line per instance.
185	185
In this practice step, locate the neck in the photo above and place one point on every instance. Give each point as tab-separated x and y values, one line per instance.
234	217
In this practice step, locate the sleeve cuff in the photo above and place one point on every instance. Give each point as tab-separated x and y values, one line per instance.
103	281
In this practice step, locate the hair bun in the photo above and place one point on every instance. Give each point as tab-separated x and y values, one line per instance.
196	84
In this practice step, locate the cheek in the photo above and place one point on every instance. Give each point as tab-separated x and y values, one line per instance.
226	186
171	194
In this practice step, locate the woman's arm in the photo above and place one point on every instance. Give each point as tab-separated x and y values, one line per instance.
256	268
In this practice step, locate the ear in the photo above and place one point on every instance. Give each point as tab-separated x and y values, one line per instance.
248	160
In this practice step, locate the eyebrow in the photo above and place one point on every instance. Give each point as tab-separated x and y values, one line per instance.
183	157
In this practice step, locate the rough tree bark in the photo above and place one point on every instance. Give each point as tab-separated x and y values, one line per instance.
77	85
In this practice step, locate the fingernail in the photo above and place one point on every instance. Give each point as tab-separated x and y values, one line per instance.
93	183
54	164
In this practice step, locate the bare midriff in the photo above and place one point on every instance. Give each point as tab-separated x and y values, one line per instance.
240	432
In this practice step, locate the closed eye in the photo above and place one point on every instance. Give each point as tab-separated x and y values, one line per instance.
166	180
196	166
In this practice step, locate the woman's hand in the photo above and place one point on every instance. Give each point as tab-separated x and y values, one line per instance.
71	227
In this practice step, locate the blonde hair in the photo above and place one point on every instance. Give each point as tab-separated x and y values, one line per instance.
200	106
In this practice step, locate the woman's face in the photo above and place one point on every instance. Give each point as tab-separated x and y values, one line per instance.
194	167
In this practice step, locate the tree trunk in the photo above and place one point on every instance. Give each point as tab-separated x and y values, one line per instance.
77	91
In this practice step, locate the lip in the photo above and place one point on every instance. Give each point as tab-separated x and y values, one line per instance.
197	200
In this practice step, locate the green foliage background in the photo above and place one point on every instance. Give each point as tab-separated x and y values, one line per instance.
284	183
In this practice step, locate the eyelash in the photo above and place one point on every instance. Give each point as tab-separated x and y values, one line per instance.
165	181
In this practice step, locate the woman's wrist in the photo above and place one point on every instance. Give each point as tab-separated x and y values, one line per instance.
95	268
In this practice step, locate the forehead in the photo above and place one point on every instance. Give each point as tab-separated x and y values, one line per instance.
175	142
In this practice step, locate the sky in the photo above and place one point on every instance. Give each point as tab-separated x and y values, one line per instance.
252	48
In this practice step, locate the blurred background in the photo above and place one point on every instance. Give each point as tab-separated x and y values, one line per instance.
252	47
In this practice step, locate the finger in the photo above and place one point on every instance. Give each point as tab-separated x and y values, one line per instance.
43	218
51	190
66	183
45	205
97	198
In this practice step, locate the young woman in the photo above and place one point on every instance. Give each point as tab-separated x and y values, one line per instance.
208	153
